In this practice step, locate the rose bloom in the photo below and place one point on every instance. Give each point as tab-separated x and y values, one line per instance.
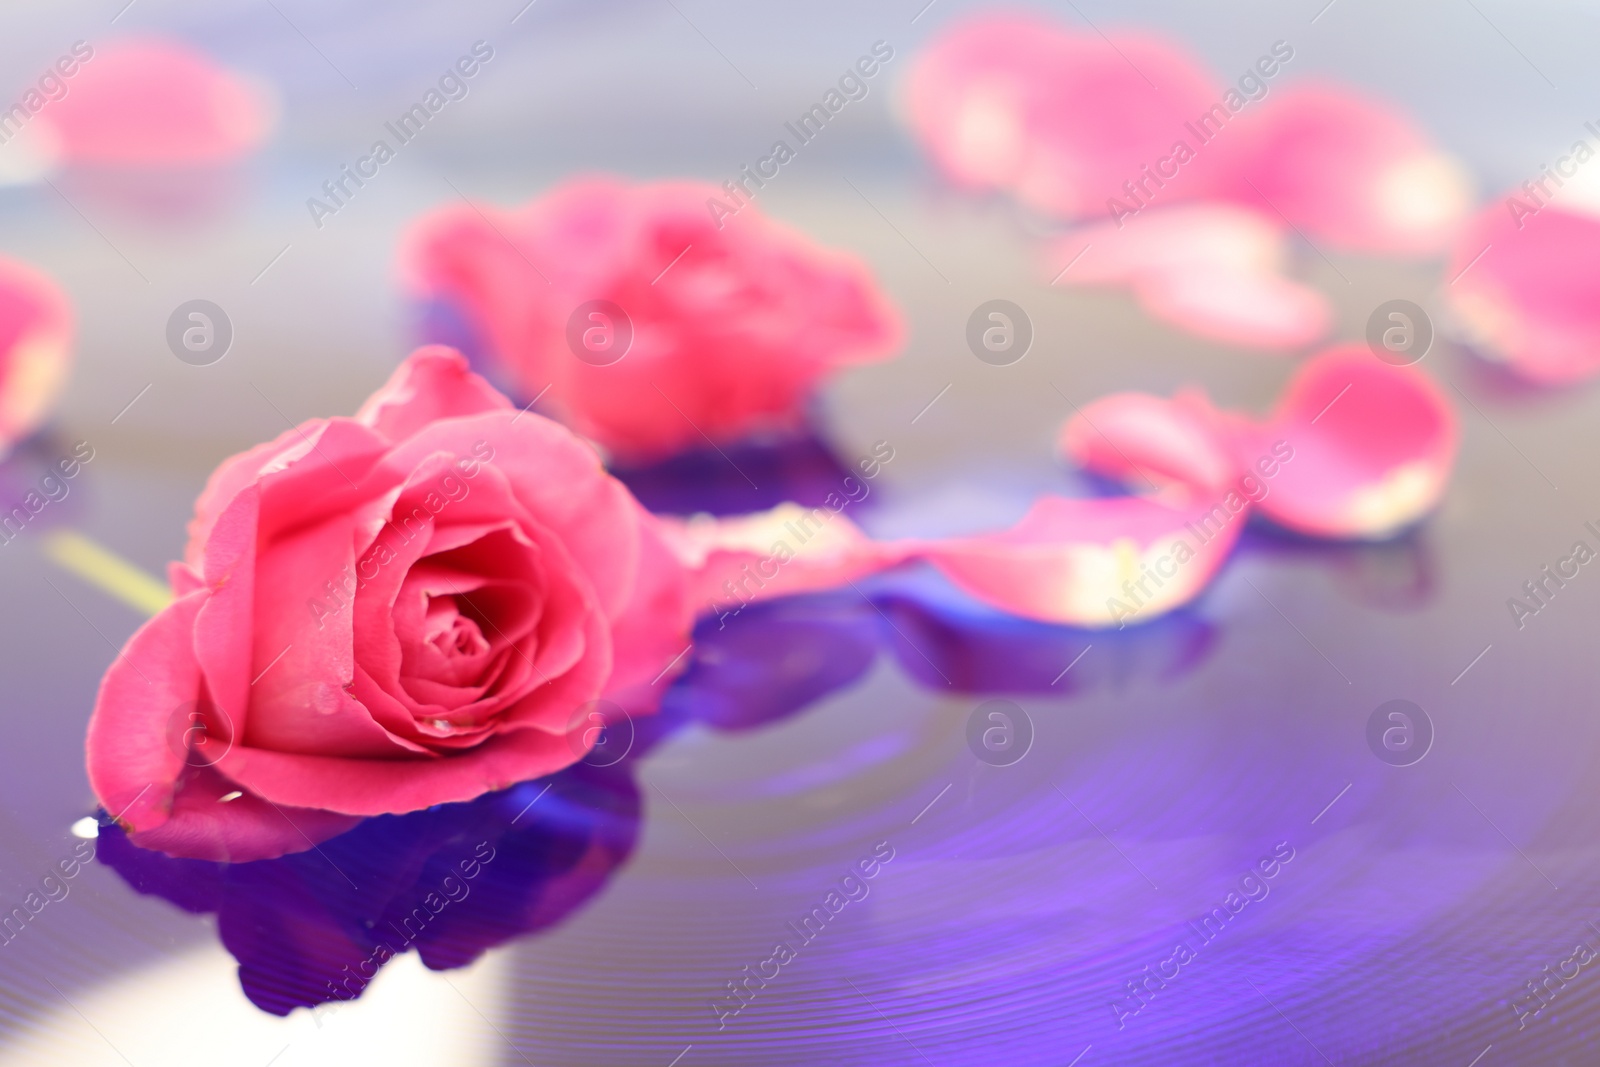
734	320
380	614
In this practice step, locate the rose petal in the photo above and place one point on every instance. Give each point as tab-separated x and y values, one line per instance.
1093	562
205	826
1144	440
156	103
133	764
1373	446
36	334
434	383
1348	170
1527	288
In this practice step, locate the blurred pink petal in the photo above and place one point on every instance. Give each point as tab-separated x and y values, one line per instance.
1349	171
1215	269
1373	446
1097	562
36	334
1148	440
1060	118
1355	448
789	549
151	102
1533	298
735	319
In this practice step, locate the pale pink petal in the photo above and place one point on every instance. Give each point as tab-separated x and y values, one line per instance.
1349	171
1213	268
1526	288
151	102
1096	562
434	383
789	549
36	334
1058	116
1148	442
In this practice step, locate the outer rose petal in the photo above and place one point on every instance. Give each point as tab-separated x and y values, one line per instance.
156	103
433	383
653	629
1072	561
203	826
1533	298
133	765
35	348
379	787
1366	463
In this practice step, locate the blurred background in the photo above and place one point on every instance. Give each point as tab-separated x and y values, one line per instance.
1167	760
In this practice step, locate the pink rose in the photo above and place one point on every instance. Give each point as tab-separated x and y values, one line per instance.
380	614
727	325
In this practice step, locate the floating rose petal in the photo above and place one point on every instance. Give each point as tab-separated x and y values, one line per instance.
655	322
1373	447
1526	289
1058	117
1094	562
1355	448
789	549
1151	442
1215	269
155	103
1348	170
35	348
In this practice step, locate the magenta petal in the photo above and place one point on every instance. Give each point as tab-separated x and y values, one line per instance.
1372	446
653	630
1531	297
204	826
134	762
1096	562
